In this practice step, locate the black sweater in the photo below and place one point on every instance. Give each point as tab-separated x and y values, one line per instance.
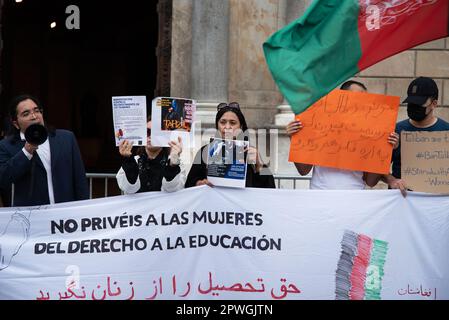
150	171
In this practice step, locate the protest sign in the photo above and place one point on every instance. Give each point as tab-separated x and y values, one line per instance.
226	163
347	130
130	119
172	118
425	160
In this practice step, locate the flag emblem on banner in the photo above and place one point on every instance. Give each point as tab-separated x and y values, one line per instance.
360	268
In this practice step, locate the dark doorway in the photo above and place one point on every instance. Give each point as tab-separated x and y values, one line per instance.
76	72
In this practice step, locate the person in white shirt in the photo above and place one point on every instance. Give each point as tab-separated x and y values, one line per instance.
153	168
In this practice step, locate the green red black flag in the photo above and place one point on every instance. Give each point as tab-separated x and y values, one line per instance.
335	39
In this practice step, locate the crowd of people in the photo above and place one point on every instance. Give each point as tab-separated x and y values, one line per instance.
53	171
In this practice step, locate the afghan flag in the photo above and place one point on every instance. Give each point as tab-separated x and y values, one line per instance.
360	268
335	39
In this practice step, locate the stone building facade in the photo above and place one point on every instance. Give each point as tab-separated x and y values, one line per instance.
217	56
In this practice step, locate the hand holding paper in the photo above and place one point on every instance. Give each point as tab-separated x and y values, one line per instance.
175	151
125	148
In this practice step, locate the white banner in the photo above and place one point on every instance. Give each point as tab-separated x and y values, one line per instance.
218	243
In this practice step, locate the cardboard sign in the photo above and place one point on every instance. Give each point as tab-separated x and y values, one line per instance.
347	130
425	161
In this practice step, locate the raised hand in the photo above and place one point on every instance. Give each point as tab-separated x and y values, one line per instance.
125	148
293	127
30	148
175	151
393	139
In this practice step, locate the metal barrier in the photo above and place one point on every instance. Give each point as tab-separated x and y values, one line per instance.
278	178
105	176
285	177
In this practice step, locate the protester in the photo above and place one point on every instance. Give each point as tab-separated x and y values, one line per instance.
422	100
325	178
153	168
3	194
231	124
50	173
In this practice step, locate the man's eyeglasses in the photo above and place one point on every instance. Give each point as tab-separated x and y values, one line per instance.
28	113
232	105
148	132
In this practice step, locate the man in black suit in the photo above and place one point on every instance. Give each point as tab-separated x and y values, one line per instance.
50	173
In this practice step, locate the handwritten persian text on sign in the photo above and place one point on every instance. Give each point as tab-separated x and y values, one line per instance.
347	130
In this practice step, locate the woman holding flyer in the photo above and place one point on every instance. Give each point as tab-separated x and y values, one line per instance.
231	125
153	169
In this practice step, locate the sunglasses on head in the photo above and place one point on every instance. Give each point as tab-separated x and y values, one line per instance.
232	105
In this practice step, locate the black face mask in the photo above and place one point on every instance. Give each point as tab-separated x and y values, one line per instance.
416	112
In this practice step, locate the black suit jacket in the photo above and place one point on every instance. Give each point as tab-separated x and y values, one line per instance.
30	180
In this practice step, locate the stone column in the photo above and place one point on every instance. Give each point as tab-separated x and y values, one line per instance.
181	44
209	75
293	10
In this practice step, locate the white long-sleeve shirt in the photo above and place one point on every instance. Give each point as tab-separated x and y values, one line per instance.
176	184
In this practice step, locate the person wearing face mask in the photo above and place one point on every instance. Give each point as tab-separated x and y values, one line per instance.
231	124
52	172
422	99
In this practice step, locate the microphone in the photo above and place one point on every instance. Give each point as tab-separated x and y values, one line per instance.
36	134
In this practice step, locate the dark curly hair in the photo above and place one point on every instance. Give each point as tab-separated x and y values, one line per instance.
12	130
